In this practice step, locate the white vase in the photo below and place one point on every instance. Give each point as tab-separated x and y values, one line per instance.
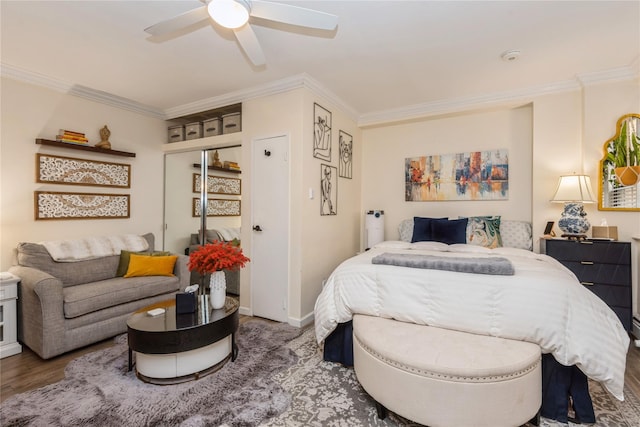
217	289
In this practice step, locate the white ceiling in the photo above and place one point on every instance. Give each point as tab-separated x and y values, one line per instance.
384	55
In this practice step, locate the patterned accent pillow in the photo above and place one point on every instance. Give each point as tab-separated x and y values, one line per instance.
516	234
406	230
484	231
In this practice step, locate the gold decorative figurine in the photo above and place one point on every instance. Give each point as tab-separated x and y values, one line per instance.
104	138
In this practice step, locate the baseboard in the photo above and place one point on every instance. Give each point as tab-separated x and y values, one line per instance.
300	323
246	311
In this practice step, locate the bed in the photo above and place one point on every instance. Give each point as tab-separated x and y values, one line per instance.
541	302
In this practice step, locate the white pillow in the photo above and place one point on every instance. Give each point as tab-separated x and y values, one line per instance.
467	248
406	230
430	246
516	234
392	244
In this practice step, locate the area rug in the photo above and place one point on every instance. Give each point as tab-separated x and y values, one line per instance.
98	390
278	380
328	394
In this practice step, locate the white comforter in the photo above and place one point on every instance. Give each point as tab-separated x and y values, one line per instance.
542	303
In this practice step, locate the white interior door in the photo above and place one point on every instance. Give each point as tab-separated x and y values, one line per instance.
270	224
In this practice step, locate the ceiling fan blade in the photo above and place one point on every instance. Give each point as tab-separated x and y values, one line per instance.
293	15
249	42
178	22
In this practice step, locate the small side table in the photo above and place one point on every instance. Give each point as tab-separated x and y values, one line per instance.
8	315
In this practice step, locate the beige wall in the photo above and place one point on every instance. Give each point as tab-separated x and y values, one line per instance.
385	150
317	243
327	240
30	112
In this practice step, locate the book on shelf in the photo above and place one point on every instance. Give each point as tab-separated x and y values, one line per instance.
71	133
72	138
70	141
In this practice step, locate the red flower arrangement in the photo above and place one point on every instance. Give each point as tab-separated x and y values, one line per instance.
217	256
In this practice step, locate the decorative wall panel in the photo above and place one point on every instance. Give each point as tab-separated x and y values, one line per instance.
217	207
73	171
61	205
218	184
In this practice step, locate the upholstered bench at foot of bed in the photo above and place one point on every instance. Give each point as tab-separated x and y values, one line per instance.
440	377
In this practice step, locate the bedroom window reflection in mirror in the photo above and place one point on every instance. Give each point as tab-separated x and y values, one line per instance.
619	172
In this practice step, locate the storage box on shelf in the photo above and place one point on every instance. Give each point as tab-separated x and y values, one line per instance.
176	133
218	121
231	123
211	127
193	131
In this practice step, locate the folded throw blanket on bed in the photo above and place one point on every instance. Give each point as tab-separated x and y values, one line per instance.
94	247
497	265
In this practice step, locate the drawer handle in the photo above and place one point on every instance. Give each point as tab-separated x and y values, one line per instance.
587	283
586	242
586	262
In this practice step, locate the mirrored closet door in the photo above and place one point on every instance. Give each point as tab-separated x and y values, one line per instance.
198	178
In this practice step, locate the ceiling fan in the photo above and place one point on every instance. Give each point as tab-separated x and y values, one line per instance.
235	14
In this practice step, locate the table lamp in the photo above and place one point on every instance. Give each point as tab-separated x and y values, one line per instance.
573	191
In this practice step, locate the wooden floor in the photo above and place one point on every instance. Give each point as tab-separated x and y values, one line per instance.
26	371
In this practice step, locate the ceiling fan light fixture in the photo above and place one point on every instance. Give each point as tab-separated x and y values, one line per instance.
229	13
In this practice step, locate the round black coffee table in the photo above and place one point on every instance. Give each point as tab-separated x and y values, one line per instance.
172	348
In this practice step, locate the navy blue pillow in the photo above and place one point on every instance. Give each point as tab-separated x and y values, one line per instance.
422	229
449	231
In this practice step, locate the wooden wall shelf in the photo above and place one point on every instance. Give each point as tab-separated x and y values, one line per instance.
215	168
84	148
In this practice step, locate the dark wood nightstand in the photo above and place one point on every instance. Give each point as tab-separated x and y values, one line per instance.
603	266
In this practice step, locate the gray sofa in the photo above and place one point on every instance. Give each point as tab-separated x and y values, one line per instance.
67	305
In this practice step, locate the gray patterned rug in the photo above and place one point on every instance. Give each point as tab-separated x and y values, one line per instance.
99	391
328	394
279	379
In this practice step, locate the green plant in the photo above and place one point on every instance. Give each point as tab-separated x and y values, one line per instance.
617	152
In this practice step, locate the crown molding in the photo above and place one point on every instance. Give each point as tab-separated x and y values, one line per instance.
615	74
449	106
31	77
304	80
272	88
492	100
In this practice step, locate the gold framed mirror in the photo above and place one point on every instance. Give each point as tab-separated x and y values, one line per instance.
619	172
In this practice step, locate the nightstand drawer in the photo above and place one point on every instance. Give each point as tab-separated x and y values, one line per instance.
603	267
602	252
594	272
617	296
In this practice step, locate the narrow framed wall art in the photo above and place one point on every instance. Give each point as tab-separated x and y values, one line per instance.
328	190
53	205
216	207
73	171
321	133
346	155
218	185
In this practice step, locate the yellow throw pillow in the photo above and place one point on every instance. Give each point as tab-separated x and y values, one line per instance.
145	265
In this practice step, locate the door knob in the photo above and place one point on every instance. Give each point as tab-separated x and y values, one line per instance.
257	228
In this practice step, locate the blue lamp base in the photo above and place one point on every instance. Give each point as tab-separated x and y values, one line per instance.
574	219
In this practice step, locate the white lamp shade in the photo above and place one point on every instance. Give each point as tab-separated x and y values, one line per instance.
574	188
